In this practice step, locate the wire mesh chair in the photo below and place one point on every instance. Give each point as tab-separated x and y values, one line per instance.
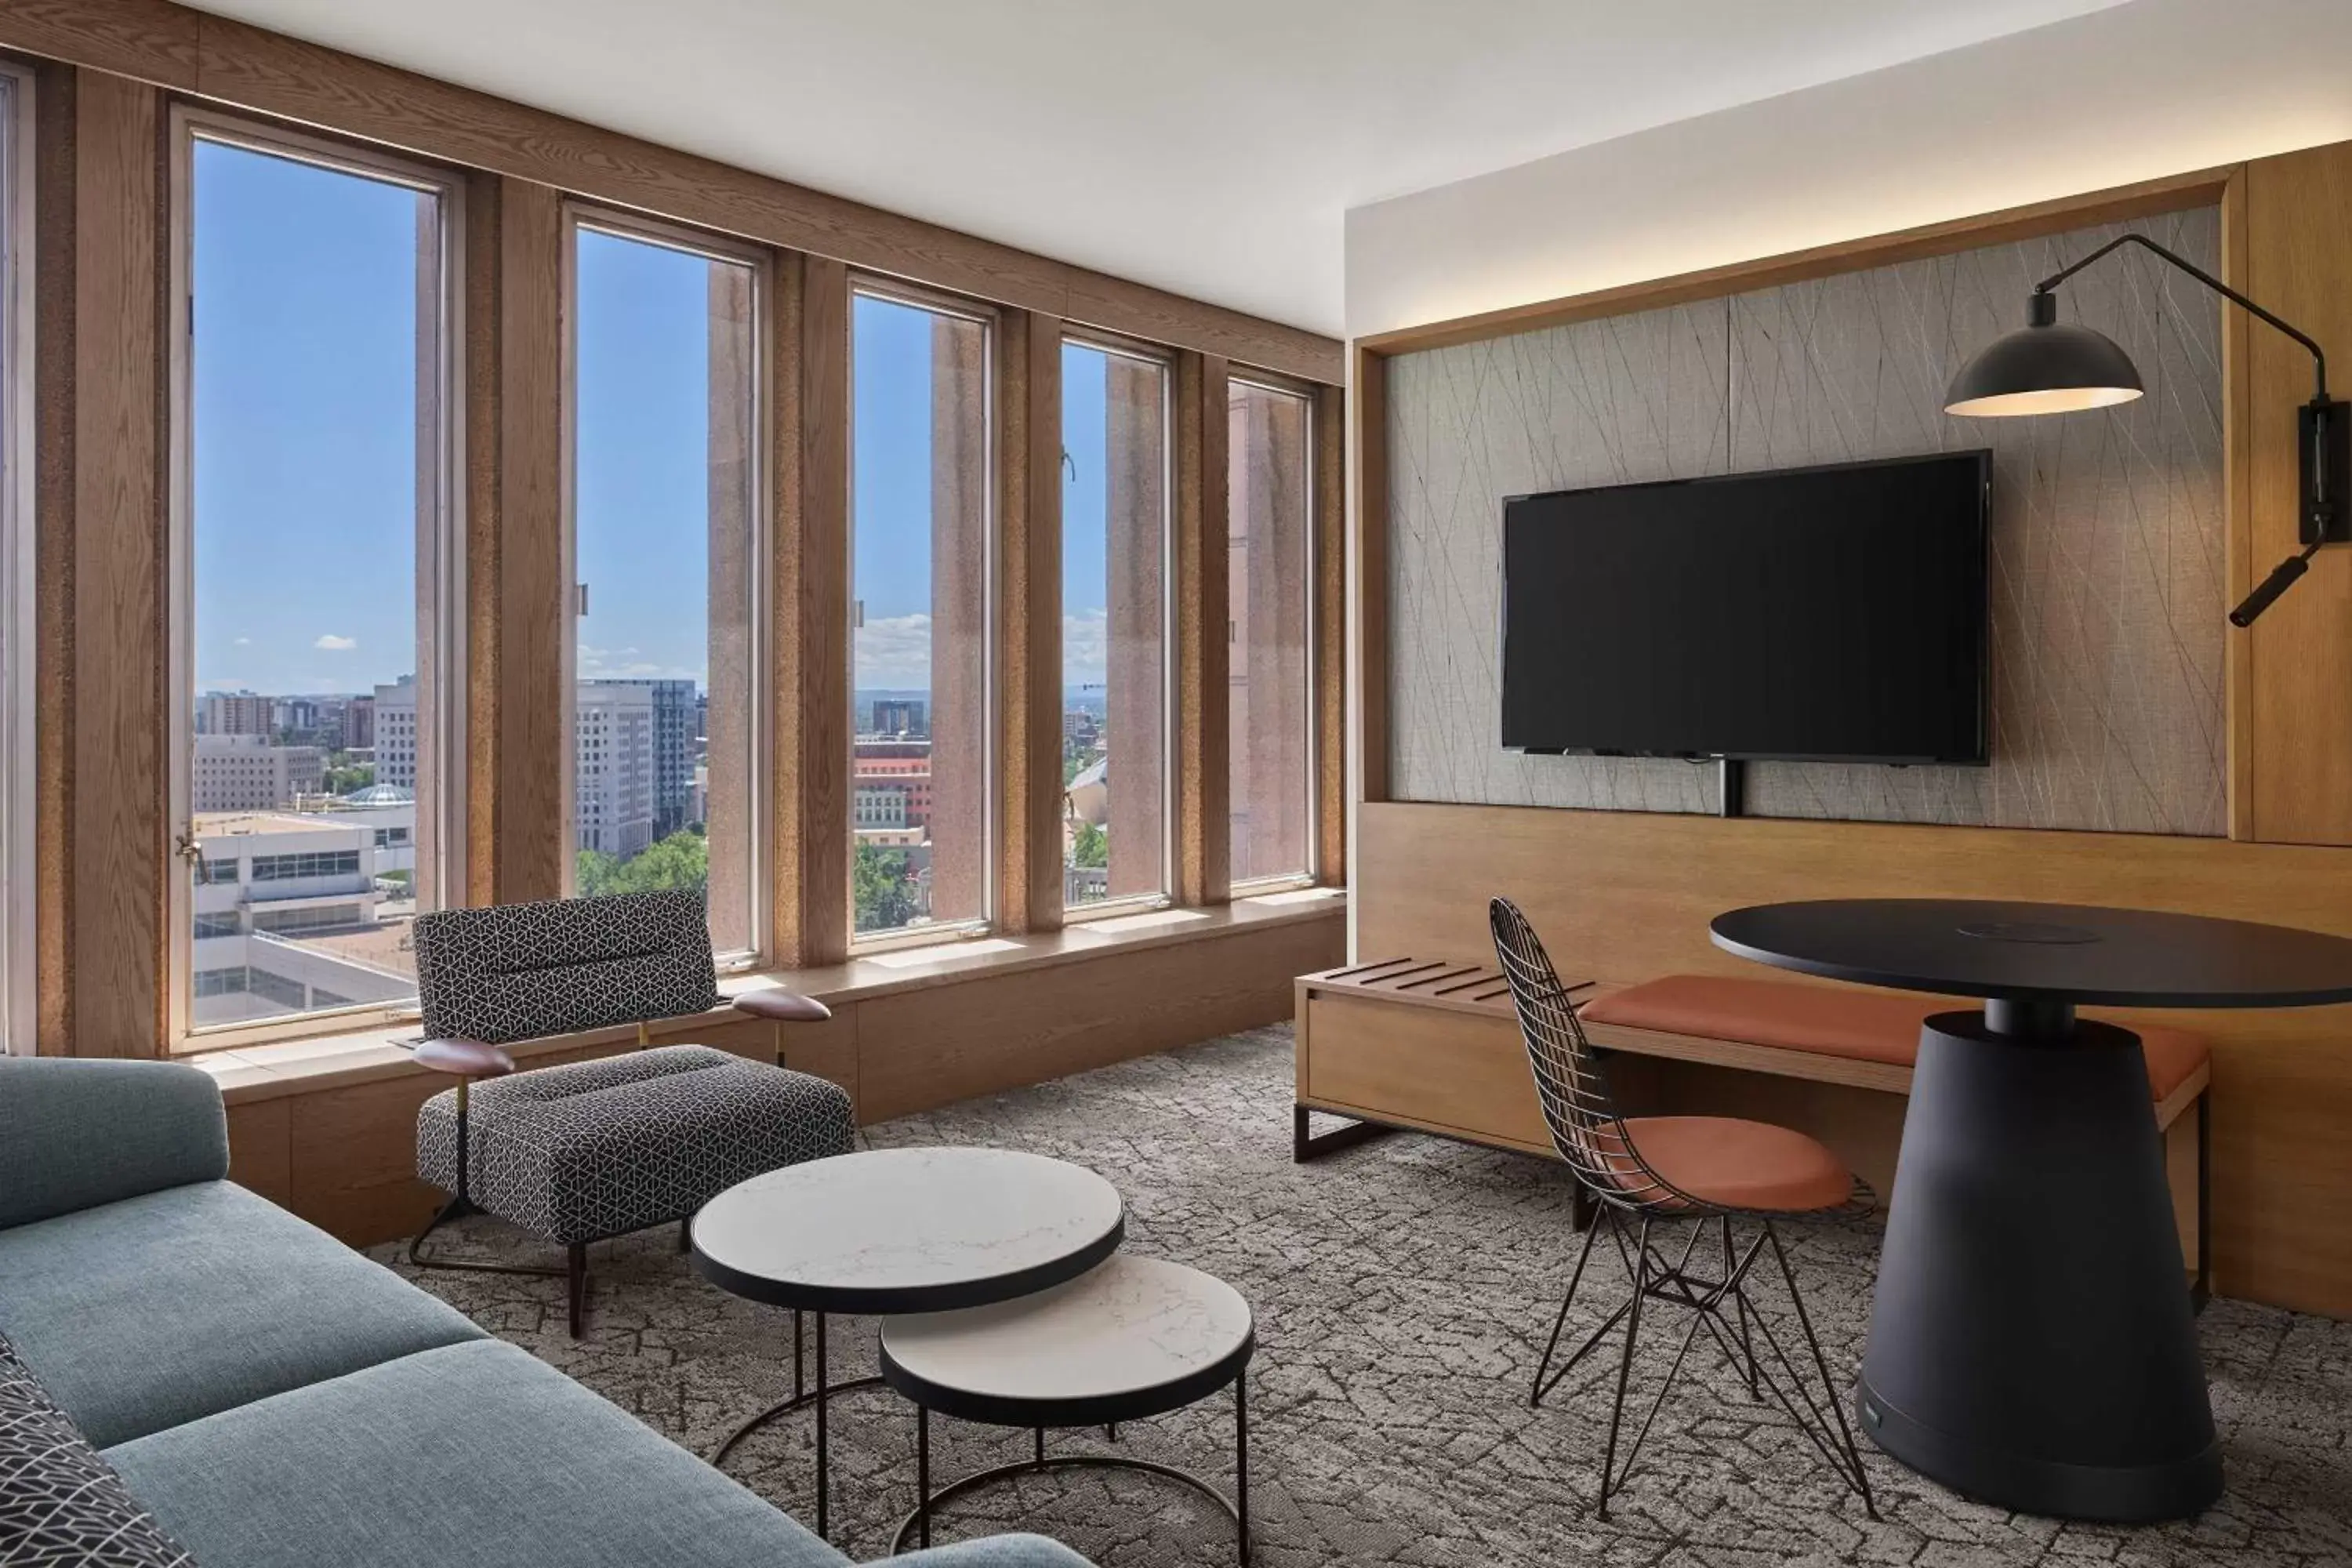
1683	1179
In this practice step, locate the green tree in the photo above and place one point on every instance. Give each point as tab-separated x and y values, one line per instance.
1091	847
882	886
345	777
679	863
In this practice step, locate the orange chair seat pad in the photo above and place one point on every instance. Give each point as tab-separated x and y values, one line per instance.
1861	1026
1734	1164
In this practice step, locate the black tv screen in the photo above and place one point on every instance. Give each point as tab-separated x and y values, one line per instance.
1825	614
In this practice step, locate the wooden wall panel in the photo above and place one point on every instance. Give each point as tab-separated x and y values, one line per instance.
147	40
1624	896
1204	745
261	1149
2237	484
534	825
1029	515
921	1049
2297	264
118	792
250	67
812	802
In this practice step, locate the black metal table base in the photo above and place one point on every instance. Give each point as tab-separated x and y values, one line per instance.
917	1522
821	1398
2031	1344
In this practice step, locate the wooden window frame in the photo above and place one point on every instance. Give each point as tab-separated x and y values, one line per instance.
186	125
20	963
759	738
1165	359
1312	633
993	804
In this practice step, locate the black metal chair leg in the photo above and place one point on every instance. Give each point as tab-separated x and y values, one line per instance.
1860	1478
575	1269
1739	1306
686	1235
1591	1234
1625	1366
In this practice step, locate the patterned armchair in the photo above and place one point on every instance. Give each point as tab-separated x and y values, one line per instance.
593	1149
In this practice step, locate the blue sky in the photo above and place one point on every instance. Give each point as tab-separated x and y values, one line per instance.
305	449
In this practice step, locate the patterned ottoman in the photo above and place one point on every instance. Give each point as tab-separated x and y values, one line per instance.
598	1149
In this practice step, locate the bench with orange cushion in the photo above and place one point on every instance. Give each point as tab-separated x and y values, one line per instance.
1870	1039
1859	1025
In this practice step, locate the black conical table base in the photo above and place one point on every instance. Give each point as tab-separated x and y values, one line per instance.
2032	1342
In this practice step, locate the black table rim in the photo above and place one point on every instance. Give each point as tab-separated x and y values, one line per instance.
1089	1410
894	1299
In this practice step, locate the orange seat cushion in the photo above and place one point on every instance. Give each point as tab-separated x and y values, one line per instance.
1738	1164
1862	1025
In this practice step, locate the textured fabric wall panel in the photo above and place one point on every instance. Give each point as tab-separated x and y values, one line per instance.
2107	581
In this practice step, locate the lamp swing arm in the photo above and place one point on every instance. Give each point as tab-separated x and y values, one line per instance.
2318	355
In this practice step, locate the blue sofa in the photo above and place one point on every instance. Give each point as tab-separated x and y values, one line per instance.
275	1400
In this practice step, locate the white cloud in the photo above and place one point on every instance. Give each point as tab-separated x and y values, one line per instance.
1086	644
329	643
895	651
245	642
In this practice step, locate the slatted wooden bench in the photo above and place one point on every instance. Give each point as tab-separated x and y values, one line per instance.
1433	1046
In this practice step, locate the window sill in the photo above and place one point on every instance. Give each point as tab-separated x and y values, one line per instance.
336	1061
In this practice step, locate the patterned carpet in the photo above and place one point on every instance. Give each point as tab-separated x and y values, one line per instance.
1402	1291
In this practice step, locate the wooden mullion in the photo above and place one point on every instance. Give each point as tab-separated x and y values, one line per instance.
811	621
534	832
1029	445
121	781
1203	546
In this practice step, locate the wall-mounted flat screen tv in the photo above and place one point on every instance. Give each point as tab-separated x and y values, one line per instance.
1829	614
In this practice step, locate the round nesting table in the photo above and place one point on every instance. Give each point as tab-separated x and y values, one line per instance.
2033	1341
898	1230
1133	1337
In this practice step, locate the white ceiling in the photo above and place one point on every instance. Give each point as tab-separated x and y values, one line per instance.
1209	147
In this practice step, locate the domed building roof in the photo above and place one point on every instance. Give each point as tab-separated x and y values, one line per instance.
378	794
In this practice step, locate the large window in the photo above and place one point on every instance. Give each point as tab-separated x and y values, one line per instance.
921	483
665	540
17	961
315	591
1270	506
1115	498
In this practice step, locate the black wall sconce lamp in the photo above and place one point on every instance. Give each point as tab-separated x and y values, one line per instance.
2048	368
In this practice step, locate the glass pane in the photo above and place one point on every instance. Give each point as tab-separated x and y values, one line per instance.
664	497
919	583
1114	626
1267	513
314	435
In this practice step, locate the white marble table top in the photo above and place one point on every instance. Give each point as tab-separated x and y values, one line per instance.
905	1220
1128	1325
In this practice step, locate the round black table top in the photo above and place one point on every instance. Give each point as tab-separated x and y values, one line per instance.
2050	952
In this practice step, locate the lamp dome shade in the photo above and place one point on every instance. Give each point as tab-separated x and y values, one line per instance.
2045	368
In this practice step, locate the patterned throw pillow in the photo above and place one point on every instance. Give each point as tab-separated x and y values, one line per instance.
62	1504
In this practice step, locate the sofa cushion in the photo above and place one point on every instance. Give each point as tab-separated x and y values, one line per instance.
476	1455
62	1505
158	1309
1833	1021
81	1132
